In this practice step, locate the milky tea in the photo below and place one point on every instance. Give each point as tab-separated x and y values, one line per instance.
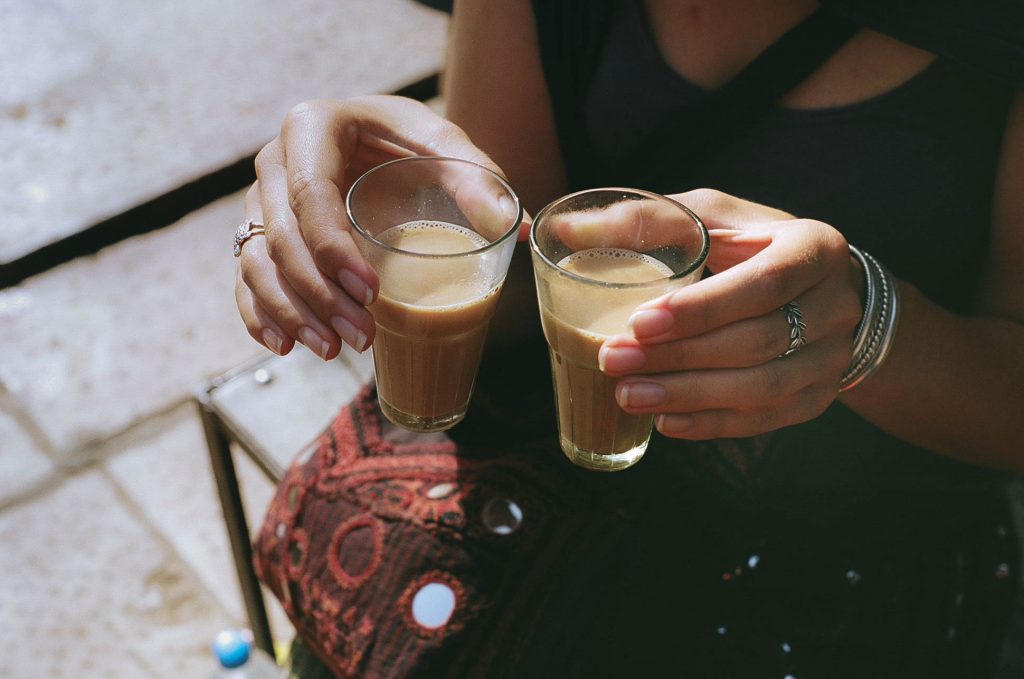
589	418
431	324
439	232
597	256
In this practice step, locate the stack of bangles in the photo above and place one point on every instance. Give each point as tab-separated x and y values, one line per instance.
877	327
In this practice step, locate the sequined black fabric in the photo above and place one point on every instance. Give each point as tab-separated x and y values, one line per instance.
828	549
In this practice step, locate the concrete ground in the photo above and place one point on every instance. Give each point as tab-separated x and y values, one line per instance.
112	545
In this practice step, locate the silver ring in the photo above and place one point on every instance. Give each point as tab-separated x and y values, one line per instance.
244	232
797	327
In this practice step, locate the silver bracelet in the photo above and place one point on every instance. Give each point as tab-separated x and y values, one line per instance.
870	303
889	323
877	329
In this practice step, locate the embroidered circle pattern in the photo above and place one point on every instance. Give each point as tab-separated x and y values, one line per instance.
295	557
368	489
355	551
431	602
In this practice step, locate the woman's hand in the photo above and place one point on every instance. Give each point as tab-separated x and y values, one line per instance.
305	280
707	359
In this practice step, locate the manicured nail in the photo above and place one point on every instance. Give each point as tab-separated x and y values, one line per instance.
620	359
272	340
650	322
355	286
353	336
639	394
314	342
739	236
506	207
673	424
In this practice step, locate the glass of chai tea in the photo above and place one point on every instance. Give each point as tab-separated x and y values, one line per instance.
440	233
597	255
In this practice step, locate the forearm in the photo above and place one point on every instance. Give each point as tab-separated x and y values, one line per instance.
952	384
495	90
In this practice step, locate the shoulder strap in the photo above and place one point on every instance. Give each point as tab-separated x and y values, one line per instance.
572	34
984	35
755	90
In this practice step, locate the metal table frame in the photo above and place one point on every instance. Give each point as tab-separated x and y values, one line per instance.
221	434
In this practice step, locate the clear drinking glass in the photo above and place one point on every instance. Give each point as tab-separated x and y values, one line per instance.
597	254
440	234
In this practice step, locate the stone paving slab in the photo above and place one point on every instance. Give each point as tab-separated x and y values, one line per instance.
90	591
101	342
22	465
167	475
108	103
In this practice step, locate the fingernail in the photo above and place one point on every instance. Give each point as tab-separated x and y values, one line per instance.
650	322
314	342
639	394
352	335
620	359
506	209
674	424
355	286
272	340
739	236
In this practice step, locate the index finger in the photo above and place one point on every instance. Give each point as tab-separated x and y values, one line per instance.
800	255
323	140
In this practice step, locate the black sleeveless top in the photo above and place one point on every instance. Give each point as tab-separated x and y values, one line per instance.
827	549
907	174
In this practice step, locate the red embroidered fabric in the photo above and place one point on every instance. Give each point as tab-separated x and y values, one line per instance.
371	515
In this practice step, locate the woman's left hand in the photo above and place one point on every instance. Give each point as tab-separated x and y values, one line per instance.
707	359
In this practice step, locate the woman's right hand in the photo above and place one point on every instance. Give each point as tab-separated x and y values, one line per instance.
304	280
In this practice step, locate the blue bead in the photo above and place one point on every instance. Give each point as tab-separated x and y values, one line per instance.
232	648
